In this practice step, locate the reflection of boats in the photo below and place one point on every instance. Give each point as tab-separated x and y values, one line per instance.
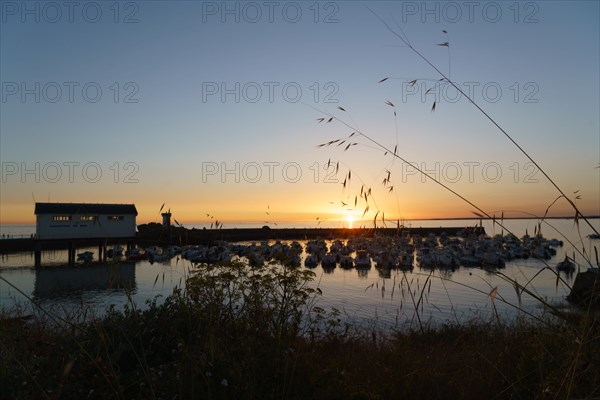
594	236
386	260
362	260
406	261
425	258
492	259
311	261
64	281
135	255
115	251
86	256
154	257
469	260
328	261
294	261
346	262
566	265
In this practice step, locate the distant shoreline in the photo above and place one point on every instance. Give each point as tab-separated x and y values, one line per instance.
478	218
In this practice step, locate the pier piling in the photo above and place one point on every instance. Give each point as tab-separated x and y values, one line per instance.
37	254
71	257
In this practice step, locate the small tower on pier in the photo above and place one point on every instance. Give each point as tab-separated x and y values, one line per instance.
166	219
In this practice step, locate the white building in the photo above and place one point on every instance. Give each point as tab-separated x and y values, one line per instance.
84	221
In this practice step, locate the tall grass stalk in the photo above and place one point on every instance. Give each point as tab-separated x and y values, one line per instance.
349	142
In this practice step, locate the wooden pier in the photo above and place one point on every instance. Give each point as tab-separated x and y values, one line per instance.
71	245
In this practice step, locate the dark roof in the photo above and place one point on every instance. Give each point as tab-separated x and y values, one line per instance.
84	208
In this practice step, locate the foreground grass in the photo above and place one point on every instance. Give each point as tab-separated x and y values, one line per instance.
199	344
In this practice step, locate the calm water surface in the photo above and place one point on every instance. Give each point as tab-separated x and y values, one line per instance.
365	298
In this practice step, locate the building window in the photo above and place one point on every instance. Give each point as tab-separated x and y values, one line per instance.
89	217
61	218
115	218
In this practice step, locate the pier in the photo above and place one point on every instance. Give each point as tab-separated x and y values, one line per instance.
71	245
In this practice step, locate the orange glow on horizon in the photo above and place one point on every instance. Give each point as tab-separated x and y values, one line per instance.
189	214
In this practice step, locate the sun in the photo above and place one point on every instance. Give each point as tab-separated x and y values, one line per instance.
350	220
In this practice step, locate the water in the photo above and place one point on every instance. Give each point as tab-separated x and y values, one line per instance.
364	298
16	231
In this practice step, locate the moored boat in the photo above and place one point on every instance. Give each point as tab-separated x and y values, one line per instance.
86	256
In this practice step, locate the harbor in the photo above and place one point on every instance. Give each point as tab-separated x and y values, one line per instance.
164	235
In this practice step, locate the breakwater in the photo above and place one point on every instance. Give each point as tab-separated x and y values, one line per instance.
157	234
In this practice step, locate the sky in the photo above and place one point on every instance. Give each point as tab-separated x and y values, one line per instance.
213	108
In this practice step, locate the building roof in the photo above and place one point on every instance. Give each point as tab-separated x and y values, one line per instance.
84	208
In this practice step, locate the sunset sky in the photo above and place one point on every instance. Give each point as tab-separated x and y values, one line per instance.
213	107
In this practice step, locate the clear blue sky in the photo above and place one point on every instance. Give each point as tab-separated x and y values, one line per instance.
173	60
